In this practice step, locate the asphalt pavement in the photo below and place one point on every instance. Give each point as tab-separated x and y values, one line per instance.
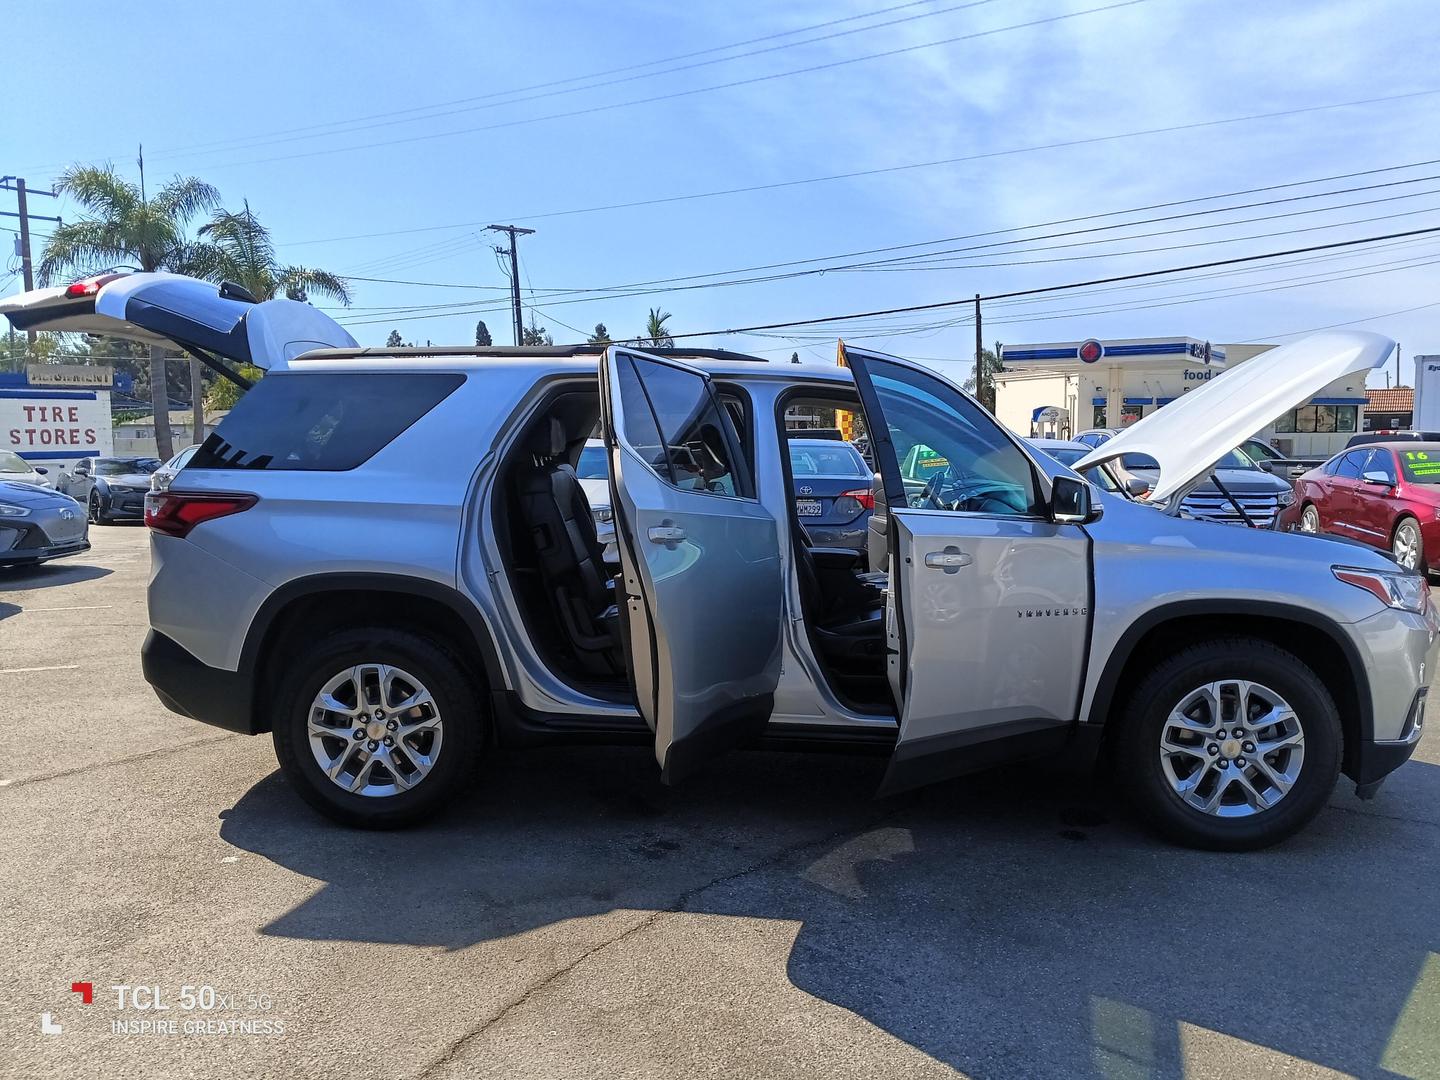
574	918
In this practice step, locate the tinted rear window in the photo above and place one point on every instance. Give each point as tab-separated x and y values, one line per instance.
320	422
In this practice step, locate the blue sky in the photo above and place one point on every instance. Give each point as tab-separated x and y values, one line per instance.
358	118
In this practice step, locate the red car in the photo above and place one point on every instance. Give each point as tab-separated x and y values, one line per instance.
1386	495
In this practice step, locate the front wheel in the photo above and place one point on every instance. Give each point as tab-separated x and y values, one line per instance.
97	517
377	728
1407	546
1230	745
1310	520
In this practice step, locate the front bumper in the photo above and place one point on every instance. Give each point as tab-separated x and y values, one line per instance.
191	688
27	541
123	504
33	556
1378	758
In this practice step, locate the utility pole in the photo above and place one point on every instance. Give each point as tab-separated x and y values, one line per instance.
513	231
27	266
979	352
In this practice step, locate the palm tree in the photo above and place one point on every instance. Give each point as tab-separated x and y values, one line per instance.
238	248
657	334
125	228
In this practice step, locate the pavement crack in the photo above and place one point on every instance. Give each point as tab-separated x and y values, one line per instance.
25	781
458	1046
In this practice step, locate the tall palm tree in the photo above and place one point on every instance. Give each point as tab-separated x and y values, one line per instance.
657	334
240	250
126	228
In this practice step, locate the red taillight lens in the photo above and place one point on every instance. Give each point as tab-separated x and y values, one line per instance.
864	496
175	513
89	286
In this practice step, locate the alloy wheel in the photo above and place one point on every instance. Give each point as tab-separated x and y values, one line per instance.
375	730
1407	545
1232	748
1310	520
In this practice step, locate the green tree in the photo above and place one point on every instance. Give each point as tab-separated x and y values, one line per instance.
535	335
482	335
123	226
601	336
990	365
237	247
223	394
657	334
394	341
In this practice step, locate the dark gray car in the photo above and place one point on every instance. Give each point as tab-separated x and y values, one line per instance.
111	488
37	524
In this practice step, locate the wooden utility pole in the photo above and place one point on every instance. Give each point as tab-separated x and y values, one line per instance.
979	356
27	265
513	231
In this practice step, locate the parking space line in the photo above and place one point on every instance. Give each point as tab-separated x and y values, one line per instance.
78	607
24	670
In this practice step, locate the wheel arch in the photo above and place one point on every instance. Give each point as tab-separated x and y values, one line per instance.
299	609
1314	638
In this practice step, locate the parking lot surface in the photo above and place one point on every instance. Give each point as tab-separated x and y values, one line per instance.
574	918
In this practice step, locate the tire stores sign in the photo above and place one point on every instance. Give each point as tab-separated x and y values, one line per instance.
70	420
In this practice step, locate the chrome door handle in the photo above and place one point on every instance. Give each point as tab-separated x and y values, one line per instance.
947	560
666	534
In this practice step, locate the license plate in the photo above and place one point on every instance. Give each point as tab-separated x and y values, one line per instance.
808	507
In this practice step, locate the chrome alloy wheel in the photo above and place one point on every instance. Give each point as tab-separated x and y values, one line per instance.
1407	545
1310	520
1232	748
375	730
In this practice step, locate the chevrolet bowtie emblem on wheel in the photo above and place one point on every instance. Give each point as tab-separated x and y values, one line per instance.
1049	612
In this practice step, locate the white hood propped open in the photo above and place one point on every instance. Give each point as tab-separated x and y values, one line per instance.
1187	437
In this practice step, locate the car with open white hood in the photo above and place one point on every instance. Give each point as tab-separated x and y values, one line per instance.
384	558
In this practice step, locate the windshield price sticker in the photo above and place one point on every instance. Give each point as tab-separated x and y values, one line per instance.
1420	463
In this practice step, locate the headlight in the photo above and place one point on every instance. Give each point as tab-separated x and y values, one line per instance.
1287	498
6	510
1407	592
603	515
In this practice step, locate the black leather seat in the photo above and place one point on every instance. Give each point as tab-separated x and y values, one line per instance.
558	518
846	610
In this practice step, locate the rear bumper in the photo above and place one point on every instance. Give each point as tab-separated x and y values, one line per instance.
191	688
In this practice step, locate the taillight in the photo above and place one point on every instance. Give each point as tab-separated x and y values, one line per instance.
89	286
176	513
864	496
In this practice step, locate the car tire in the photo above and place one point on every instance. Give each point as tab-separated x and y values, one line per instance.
420	660
1415	544
93	511
1148	726
1310	520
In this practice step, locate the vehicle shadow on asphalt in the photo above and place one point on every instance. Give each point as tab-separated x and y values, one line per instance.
48	576
1010	925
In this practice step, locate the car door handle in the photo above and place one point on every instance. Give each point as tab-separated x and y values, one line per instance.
666	534
947	560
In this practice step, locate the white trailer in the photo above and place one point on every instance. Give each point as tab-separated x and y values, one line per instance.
1427	393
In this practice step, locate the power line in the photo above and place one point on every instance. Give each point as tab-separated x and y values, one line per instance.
592	110
625	76
942	304
554	82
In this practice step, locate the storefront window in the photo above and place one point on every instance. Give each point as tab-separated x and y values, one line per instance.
1345	417
1285	425
1321	419
1099	416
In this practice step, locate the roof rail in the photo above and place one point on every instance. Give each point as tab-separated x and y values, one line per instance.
521	352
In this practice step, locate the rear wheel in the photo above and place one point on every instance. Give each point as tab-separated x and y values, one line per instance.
1310	519
377	728
1230	745
1407	546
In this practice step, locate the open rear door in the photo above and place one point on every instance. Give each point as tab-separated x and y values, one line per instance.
172	309
700	560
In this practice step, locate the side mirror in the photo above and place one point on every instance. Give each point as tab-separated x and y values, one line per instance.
1070	502
1379	478
42	470
1137	487
1265	465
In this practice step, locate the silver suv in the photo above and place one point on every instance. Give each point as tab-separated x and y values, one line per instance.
384	558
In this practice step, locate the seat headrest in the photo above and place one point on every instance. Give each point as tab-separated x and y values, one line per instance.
550	439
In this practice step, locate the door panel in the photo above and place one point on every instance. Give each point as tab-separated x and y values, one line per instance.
1375	505
700	561
988	617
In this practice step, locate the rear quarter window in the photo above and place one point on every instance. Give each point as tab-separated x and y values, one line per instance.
328	422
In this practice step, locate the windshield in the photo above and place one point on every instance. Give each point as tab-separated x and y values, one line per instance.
593	464
1421	466
10	462
121	466
1235	459
1066	455
831	459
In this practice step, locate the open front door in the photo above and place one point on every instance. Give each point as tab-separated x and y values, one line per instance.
988	614
700	560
